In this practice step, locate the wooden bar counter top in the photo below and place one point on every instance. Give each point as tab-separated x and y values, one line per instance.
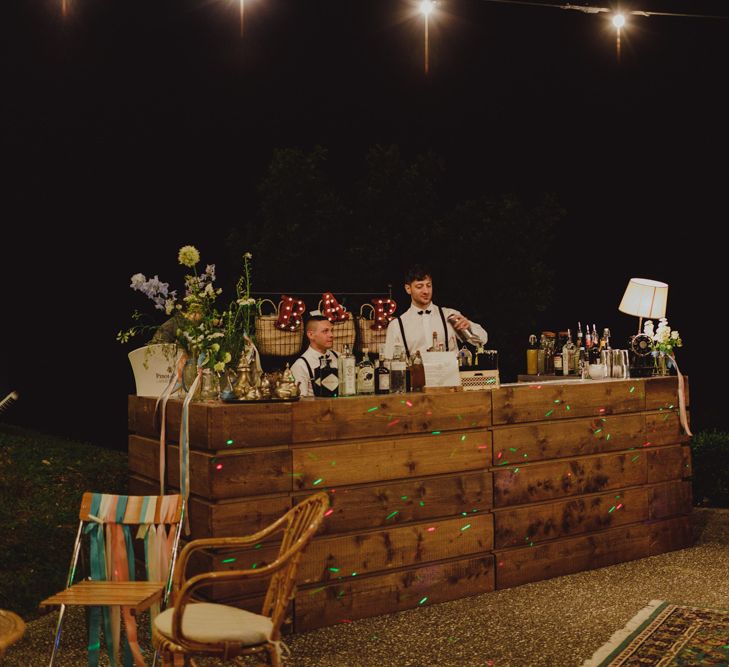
434	497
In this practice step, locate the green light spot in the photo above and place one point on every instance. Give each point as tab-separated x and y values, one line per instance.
464	513
391	515
403	497
254	566
435	433
423	600
516	470
546	414
632	389
340	594
459	417
611	509
598	431
354	574
526	455
466	527
422	504
635	458
567	406
334	569
512	449
558	401
258	546
318	481
228	560
229	442
332	463
607	437
463	437
373	409
504	463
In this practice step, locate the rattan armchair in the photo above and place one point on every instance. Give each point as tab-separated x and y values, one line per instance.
199	628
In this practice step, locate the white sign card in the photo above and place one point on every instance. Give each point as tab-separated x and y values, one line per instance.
441	369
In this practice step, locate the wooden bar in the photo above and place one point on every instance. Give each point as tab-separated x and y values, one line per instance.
433	496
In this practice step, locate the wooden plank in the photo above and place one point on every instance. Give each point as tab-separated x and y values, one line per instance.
230	473
236	517
669	499
660	392
214	425
360	597
541	441
574	477
687	470
664	428
331	558
391	415
362	507
574	554
553	401
665	463
537	523
670	534
390	458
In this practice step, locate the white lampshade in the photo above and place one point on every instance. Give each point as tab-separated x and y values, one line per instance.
645	298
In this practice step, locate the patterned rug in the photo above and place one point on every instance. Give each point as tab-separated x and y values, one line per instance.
666	635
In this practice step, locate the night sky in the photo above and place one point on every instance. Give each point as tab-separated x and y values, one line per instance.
130	128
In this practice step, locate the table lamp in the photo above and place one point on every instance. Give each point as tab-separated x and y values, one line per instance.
644	298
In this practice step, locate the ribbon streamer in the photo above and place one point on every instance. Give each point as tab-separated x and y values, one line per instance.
681	398
185	442
172	386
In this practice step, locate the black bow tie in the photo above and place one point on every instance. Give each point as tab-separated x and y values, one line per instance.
324	356
420	312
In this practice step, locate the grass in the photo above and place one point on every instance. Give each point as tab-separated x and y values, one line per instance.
42	479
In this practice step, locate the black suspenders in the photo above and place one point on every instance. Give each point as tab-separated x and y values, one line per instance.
402	331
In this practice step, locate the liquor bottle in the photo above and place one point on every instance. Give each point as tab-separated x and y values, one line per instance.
326	379
382	378
417	373
548	352
568	351
478	357
532	354
588	340
465	359
365	374
579	351
606	338
398	368
558	359
347	373
434	346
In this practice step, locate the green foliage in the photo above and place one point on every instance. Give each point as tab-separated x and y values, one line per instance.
42	479
710	450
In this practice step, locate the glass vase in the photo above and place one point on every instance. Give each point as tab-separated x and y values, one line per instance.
662	364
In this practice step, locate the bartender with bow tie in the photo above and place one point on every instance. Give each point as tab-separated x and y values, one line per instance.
320	332
413	330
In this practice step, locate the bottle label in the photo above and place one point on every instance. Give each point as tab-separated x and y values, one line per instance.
558	363
384	381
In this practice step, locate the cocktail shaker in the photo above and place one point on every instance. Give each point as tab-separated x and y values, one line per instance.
467	334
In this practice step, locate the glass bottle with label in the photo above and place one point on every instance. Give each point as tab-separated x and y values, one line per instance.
568	354
398	367
417	373
532	355
347	373
382	378
365	374
558	360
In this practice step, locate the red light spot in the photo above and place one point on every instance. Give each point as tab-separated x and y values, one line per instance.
601	410
431	529
219	466
328	512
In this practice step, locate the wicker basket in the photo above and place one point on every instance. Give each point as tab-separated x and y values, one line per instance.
344	334
271	340
368	337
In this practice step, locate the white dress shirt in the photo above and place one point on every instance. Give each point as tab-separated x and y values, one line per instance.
419	330
301	372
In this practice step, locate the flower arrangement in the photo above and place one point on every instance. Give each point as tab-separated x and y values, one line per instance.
664	339
212	338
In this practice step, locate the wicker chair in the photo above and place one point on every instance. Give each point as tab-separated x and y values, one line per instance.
198	628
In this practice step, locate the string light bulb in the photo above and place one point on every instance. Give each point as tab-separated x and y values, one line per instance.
618	21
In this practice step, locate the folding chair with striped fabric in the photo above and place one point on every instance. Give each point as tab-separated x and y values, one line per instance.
111	589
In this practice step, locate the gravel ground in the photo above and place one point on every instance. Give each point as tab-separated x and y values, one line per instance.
555	623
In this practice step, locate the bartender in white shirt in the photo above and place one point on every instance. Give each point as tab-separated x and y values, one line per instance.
320	333
413	330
